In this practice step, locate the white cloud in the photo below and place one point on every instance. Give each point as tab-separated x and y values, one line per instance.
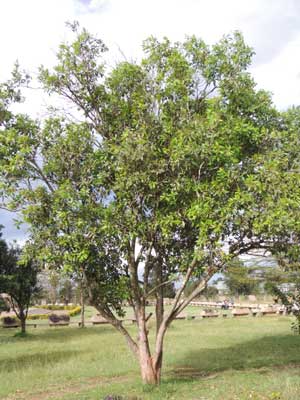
31	31
281	76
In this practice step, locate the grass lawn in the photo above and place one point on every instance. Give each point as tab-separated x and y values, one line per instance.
219	359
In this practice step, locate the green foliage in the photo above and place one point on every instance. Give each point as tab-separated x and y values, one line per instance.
156	127
278	277
266	212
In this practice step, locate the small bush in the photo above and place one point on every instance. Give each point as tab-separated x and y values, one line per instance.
57	307
72	311
75	311
56	318
10	321
38	316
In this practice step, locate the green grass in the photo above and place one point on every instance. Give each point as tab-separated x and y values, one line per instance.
220	359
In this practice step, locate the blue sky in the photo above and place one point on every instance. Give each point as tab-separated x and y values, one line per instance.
30	31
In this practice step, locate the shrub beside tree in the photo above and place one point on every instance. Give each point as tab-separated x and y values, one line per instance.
18	279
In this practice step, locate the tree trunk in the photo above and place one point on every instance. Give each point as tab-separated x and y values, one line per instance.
82	305
159	308
23	325
23	322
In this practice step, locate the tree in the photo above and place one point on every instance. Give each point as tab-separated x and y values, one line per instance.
145	183
54	282
66	291
19	280
209	292
238	279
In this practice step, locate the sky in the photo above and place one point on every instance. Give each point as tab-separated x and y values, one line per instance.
31	30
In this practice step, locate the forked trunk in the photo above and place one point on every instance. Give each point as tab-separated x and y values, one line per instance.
150	366
149	376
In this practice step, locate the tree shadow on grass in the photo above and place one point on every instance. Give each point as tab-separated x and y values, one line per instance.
55	334
36	360
267	352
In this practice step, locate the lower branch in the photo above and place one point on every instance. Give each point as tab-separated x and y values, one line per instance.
185	282
117	324
200	287
109	316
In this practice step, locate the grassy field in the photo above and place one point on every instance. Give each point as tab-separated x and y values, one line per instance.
220	359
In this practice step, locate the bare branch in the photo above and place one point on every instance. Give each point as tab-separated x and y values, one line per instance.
42	175
180	291
109	316
147	268
160	285
133	274
117	324
199	288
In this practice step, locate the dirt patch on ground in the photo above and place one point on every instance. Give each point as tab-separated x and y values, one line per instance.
189	372
39	311
31	311
57	391
193	373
